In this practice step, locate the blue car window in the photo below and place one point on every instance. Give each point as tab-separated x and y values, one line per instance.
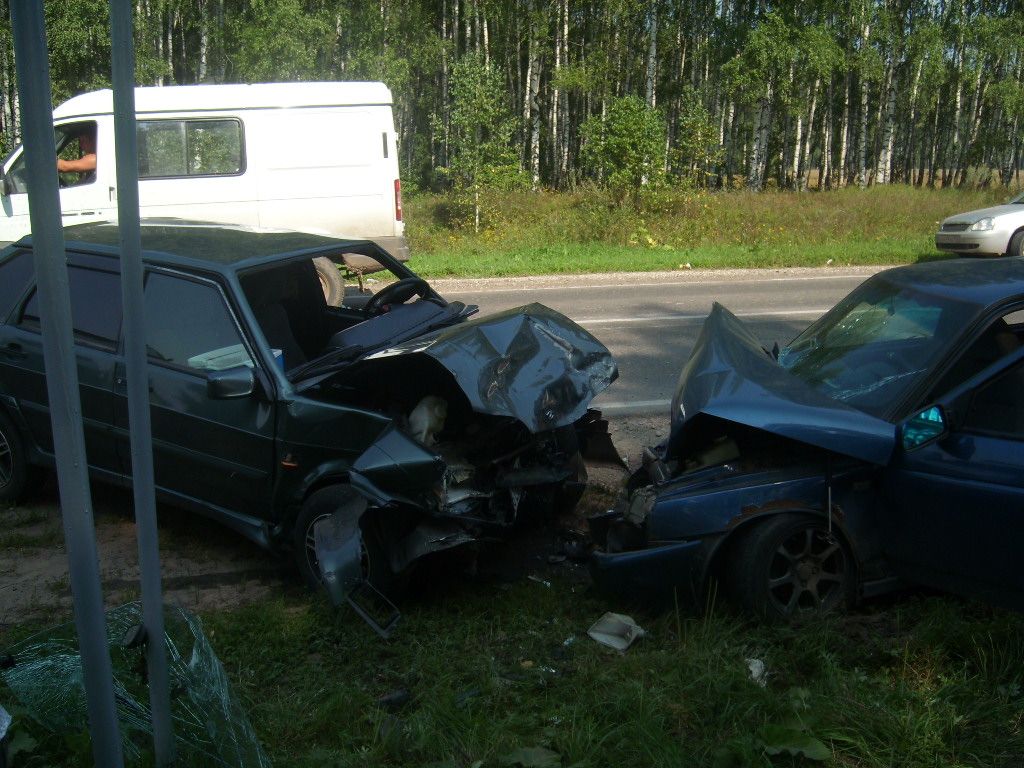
872	347
998	407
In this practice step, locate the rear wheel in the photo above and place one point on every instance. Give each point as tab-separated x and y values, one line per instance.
1016	246
373	556
330	280
16	476
792	566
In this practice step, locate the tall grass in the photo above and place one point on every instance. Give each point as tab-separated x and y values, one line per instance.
583	231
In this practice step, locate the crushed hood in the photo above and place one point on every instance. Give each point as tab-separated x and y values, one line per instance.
729	376
530	363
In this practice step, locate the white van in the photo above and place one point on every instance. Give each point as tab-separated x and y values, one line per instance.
314	157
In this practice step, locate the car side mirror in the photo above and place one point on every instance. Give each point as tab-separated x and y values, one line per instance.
923	428
231	383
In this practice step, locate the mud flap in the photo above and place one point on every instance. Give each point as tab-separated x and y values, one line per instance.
339	548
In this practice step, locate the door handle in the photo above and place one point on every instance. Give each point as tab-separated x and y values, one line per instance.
12	350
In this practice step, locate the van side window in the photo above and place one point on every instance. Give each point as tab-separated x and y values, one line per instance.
175	148
95	307
15	274
203	338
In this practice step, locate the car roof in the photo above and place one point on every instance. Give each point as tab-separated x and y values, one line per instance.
205	245
982	282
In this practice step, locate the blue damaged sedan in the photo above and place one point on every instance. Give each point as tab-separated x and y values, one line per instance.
883	446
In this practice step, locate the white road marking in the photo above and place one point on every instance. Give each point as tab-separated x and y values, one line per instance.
689	318
635	406
681	284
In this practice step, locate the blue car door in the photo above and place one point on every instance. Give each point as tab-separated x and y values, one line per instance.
955	515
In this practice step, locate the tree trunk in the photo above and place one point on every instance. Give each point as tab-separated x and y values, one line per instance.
884	169
805	159
759	150
844	132
862	148
651	76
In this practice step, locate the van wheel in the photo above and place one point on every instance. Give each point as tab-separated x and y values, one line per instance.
16	475
373	557
330	280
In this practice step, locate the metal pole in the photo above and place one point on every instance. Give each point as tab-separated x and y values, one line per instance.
123	78
62	378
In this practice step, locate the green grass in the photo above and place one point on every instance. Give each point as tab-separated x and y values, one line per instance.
923	681
549	233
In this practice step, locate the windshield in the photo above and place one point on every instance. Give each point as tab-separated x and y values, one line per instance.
1019	200
876	344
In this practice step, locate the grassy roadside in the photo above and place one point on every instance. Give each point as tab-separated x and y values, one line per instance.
930	681
547	233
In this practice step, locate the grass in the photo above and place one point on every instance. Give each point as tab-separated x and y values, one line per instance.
491	670
549	233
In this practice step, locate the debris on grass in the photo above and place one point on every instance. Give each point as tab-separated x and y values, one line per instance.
616	630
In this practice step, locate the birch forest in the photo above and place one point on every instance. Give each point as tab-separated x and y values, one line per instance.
558	93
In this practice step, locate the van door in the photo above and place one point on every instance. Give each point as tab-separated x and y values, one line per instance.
87	196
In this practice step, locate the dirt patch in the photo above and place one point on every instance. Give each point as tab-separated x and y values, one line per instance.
206	566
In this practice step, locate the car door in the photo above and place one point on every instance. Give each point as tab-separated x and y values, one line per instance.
217	453
955	514
95	291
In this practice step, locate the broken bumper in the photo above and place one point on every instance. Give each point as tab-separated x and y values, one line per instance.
654	572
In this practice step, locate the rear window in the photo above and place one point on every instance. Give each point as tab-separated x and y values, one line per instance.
95	307
15	274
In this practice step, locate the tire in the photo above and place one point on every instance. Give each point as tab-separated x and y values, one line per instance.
330	280
16	475
791	566
1016	246
374	559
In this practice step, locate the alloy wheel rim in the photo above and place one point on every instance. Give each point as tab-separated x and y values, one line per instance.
807	572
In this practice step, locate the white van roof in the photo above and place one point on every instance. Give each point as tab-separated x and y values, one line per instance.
187	98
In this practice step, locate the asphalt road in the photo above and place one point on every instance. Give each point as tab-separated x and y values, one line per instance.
650	321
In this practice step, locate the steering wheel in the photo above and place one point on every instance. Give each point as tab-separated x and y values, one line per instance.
400	292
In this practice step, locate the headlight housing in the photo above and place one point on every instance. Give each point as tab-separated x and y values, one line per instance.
983	225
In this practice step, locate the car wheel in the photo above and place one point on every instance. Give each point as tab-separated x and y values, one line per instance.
373	556
16	476
330	280
792	566
1016	246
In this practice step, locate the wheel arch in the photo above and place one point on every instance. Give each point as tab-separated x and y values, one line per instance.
715	572
1009	243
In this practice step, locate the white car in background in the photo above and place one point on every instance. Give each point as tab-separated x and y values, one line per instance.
995	231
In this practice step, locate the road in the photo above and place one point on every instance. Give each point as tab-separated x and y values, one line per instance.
650	321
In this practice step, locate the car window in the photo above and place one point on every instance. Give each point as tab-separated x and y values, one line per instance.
95	307
997	408
999	339
15	274
189	325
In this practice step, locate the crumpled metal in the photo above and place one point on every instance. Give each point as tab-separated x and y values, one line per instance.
531	363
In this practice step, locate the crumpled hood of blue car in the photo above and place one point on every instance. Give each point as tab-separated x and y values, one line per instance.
729	376
531	363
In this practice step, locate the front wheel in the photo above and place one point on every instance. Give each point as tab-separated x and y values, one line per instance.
792	566
1016	246
373	557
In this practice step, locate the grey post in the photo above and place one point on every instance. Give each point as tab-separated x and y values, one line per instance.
123	78
33	70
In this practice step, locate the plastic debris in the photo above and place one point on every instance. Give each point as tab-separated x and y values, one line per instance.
210	726
758	671
616	630
539	580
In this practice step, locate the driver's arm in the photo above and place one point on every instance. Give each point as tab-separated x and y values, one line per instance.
84	164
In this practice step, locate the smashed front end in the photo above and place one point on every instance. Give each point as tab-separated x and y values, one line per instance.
748	440
489	421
